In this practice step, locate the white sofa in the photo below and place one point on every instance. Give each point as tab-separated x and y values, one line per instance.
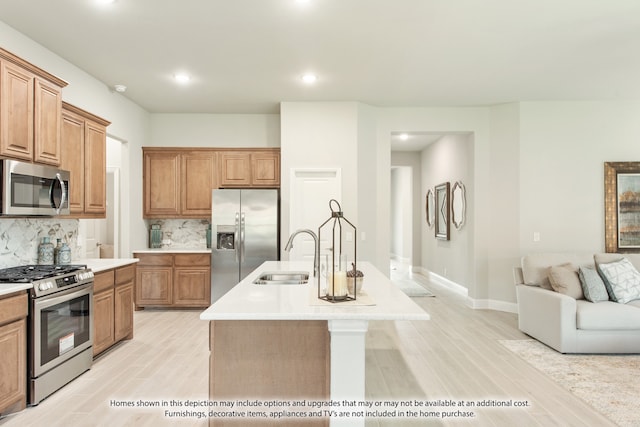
572	325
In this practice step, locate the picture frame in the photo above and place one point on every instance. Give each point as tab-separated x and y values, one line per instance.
622	206
458	204
429	207
443	211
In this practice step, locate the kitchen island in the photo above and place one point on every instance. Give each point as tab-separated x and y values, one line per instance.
282	343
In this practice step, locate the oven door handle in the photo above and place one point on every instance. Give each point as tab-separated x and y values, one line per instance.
57	298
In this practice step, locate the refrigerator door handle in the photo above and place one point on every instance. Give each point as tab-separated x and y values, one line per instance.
236	237
242	223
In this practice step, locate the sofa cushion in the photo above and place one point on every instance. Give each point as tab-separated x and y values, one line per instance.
592	285
564	280
607	315
621	279
535	267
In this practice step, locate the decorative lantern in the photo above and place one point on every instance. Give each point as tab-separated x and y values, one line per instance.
337	256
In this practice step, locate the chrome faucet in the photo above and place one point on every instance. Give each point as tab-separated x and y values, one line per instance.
316	257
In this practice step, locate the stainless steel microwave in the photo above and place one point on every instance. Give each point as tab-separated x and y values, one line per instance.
29	189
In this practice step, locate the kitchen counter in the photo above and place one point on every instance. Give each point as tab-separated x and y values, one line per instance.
315	348
9	288
101	264
247	301
95	264
172	251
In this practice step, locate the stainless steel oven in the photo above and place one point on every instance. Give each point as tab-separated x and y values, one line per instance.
60	325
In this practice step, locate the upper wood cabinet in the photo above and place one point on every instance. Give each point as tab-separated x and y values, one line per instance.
198	179
178	183
30	108
249	168
84	155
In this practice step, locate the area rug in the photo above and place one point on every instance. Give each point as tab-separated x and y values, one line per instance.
412	288
609	383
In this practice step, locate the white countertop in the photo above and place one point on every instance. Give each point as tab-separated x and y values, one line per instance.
102	264
172	251
9	288
95	264
247	301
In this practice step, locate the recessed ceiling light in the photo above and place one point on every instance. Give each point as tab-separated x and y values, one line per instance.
309	78
120	88
403	136
182	78
105	1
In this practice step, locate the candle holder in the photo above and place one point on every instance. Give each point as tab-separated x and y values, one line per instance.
340	237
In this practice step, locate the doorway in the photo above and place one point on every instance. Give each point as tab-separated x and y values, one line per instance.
401	219
102	236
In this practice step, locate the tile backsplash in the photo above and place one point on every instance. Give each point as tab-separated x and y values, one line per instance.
181	233
19	238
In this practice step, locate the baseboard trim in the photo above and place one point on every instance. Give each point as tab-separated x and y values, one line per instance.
476	304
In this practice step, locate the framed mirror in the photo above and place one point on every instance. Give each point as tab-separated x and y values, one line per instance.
442	202
458	205
430	208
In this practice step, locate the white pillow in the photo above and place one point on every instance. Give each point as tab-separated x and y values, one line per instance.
622	280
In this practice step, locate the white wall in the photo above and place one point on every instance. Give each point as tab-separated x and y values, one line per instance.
412	160
319	135
402	213
215	130
450	159
563	147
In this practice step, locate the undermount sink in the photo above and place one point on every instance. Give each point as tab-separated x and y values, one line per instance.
282	278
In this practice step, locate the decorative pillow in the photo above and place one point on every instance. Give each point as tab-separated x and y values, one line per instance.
592	285
564	280
621	279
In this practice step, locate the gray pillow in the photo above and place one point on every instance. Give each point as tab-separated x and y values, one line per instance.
622	280
564	280
592	285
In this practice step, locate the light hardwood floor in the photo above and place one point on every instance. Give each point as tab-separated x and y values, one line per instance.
456	355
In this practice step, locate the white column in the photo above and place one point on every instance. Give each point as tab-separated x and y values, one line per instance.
347	365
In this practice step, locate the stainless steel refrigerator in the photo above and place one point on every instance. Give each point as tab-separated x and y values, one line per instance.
245	228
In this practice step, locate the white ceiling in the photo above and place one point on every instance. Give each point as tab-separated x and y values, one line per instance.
246	56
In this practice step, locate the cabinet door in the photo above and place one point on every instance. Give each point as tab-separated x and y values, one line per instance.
235	168
47	112
16	111
198	180
161	184
103	309
13	364
123	311
95	175
192	287
153	286
72	159
265	169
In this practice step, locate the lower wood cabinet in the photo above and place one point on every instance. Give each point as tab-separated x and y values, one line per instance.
173	280
13	352
113	298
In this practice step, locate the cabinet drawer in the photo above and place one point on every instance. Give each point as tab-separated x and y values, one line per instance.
13	308
125	274
102	281
188	260
155	260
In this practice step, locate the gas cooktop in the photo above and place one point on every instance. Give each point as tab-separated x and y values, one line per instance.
32	273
